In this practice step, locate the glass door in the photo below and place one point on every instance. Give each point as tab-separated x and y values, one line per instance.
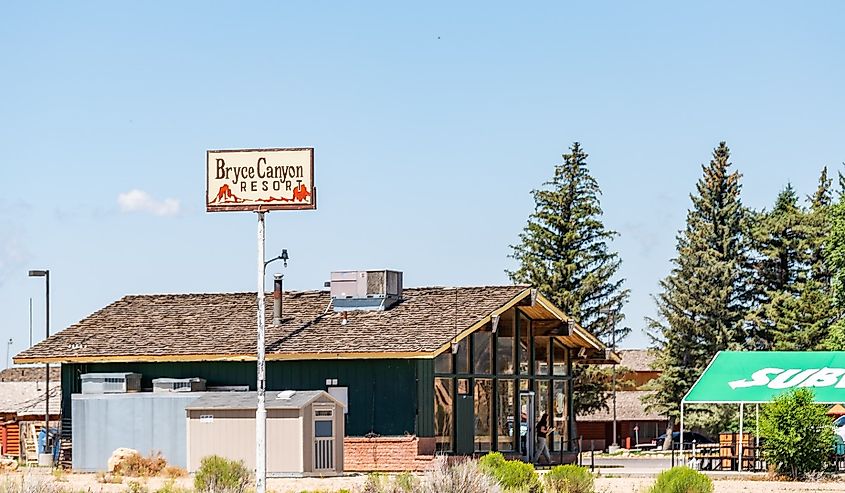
526	425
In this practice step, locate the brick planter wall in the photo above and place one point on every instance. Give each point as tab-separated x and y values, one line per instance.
384	454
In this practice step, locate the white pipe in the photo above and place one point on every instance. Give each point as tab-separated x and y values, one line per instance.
741	415
261	411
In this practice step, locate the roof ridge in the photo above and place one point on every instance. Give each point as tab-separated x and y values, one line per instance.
317	291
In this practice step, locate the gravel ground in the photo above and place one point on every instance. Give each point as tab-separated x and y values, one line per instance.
640	485
89	484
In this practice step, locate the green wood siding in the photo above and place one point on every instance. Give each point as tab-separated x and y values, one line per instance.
382	393
425	397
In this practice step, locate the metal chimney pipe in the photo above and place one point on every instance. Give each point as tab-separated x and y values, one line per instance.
277	299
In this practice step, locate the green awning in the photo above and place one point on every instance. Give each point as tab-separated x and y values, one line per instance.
760	376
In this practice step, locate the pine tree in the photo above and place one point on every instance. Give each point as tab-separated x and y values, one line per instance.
705	298
564	252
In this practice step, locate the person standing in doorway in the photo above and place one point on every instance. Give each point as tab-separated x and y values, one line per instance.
542	447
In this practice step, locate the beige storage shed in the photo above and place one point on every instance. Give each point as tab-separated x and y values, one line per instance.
305	431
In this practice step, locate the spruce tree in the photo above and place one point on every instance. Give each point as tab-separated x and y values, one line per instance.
780	241
705	298
564	252
793	309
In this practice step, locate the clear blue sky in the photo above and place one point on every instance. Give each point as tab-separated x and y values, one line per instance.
431	123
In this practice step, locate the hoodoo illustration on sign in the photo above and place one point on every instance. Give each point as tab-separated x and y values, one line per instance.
260	179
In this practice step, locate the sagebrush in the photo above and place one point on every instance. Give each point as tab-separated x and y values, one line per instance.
220	475
463	477
510	474
380	483
682	479
569	479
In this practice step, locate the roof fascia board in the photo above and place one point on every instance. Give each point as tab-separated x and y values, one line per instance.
581	331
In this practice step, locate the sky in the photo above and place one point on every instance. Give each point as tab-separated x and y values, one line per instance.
431	124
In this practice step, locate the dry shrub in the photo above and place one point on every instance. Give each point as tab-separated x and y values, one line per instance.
29	484
464	477
109	478
137	465
170	486
59	475
136	487
174	472
402	483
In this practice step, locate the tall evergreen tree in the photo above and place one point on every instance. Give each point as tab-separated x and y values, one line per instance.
704	300
564	252
780	242
819	228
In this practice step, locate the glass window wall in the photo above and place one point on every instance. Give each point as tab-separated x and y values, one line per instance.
482	345
524	345
505	348
541	355
506	420
561	422
443	414
561	355
487	367
463	356
483	400
443	362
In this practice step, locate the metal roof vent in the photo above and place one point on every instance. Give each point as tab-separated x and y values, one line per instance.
286	395
365	289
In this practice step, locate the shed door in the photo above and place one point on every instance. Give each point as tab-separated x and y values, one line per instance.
324	438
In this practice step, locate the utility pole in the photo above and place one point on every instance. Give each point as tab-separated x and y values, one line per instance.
8	351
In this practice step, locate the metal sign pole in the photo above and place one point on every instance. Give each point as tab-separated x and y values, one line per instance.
261	411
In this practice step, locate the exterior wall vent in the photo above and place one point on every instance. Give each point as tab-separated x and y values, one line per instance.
194	384
365	289
110	383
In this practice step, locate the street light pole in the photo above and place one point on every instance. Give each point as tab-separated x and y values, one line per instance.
46	275
613	330
8	351
261	411
611	317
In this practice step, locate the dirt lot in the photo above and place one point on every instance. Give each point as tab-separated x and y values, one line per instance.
88	483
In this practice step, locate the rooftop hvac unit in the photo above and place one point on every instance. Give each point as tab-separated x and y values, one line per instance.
110	383
365	289
194	384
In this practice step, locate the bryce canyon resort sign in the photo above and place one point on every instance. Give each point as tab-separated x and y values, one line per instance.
260	179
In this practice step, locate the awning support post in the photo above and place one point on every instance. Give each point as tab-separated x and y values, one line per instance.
756	434
682	431
741	413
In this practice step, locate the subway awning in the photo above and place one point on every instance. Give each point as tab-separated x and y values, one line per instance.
760	376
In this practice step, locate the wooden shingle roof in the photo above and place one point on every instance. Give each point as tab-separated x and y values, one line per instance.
221	327
637	360
629	407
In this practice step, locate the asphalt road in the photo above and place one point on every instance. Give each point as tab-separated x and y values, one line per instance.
630	464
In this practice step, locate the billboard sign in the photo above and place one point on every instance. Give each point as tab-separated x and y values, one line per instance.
260	179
